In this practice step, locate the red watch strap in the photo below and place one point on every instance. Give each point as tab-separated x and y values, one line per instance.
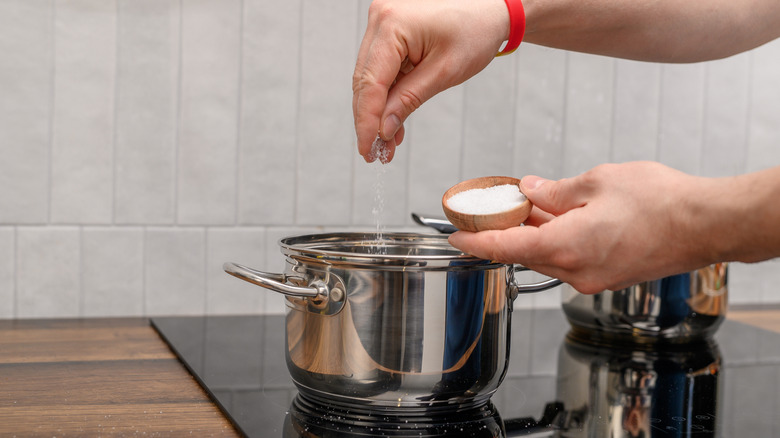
516	26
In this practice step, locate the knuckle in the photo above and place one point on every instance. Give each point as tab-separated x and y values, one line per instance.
381	10
566	260
361	82
356	81
410	100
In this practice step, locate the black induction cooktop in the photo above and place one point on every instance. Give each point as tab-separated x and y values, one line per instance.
555	385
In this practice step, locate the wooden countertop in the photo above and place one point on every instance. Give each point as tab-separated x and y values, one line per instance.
767	319
116	377
98	377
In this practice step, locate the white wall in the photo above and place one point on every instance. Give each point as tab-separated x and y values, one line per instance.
144	142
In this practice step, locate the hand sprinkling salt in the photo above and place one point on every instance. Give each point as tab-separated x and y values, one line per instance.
488	200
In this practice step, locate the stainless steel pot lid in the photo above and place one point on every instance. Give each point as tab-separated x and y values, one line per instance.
429	251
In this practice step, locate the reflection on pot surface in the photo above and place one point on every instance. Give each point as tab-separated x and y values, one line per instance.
632	393
675	309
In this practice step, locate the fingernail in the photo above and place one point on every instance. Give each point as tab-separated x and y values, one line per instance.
390	127
532	182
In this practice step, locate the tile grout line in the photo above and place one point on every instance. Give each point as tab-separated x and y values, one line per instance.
462	142
52	104
613	111
353	165
80	247
116	111
205	269
298	97
143	269
659	115
239	113
564	116
15	244
177	131
748	113
705	83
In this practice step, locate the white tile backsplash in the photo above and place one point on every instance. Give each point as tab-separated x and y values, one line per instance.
147	93
210	63
269	112
681	138
145	143
7	272
539	111
112	271
726	111
326	141
588	115
174	269
763	133
635	112
433	143
83	124
26	74
48	278
488	143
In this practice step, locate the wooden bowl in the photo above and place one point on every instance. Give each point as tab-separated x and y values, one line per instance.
480	222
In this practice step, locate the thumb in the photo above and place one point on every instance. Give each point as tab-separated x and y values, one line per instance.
556	197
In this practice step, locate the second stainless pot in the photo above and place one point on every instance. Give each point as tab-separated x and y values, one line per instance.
406	322
675	309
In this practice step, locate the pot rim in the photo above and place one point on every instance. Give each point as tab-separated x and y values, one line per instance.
396	248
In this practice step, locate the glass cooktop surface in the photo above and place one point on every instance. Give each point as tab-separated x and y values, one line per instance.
554	386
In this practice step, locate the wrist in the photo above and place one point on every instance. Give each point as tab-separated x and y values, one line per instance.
750	216
733	219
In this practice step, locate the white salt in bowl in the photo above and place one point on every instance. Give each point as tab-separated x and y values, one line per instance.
486	203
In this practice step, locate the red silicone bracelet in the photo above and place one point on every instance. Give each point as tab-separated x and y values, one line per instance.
516	26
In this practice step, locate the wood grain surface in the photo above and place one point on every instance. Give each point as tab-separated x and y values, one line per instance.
100	377
767	319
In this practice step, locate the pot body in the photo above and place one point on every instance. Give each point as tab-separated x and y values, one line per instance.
676	309
408	321
409	332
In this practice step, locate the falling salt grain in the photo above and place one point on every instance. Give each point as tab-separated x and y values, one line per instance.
379	150
489	200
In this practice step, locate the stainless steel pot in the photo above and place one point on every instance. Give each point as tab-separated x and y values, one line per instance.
408	321
675	309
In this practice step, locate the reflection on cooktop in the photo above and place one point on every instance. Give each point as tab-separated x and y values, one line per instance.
555	386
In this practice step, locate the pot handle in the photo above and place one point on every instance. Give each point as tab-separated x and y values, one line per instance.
318	290
533	287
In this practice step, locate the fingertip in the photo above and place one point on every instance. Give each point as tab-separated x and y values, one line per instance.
464	241
399	135
532	182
